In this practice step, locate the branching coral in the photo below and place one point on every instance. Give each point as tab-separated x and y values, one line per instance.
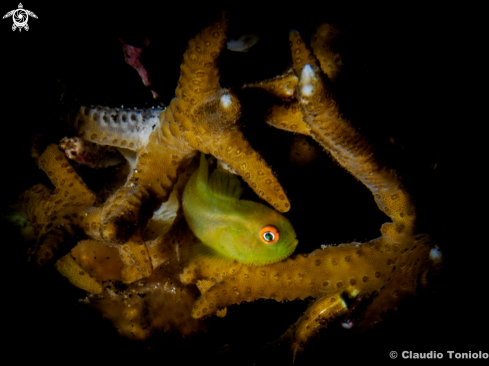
133	269
387	268
202	117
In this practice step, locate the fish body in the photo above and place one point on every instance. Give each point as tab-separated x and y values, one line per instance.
246	231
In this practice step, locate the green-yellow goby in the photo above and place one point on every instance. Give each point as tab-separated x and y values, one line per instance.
247	231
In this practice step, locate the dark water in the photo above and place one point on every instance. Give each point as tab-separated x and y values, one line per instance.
399	83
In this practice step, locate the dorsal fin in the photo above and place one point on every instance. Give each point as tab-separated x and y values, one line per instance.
225	184
203	173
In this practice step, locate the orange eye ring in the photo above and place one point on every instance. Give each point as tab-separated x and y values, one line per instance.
269	234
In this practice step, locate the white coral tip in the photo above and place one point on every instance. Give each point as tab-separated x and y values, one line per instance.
226	100
307	80
435	254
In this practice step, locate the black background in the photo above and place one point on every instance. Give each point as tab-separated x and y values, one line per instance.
409	76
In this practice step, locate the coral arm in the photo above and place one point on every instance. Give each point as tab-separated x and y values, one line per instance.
234	150
281	87
323	44
319	274
55	214
412	266
377	269
155	171
321	113
317	316
78	277
207	117
323	53
118	218
353	151
135	256
34	202
119	127
301	54
317	114
100	259
288	118
69	186
93	261
199	75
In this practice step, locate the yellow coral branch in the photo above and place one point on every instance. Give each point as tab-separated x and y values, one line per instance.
69	268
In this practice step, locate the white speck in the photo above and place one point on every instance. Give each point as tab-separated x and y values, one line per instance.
435	254
354	293
243	43
307	78
226	100
224	166
135	170
287	90
323	246
307	90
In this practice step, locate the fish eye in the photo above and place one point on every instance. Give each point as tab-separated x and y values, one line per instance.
269	234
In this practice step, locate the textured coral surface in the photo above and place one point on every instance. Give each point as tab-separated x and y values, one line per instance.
141	279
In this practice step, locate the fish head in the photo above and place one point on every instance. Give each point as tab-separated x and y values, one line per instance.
266	237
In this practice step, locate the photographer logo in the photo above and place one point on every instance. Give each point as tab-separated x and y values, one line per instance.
20	17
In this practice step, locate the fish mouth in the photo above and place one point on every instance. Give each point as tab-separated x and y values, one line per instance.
292	247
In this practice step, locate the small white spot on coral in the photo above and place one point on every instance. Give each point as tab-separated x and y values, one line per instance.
354	293
224	166
307	90
307	78
435	254
226	100
287	90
